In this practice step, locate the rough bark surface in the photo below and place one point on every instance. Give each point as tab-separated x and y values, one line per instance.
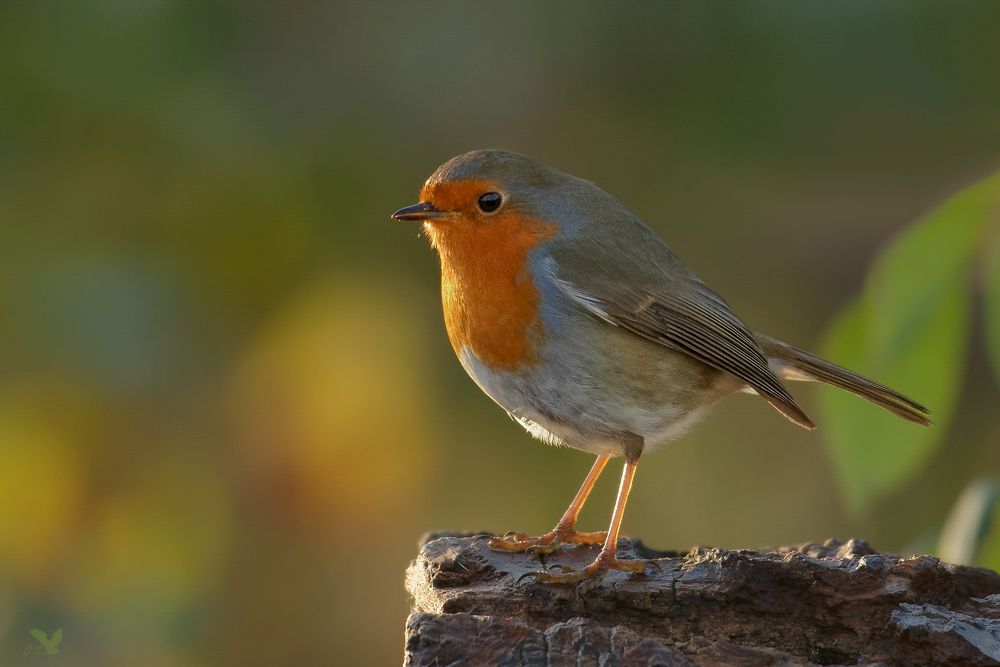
825	604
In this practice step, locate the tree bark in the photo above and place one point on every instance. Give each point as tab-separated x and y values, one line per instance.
831	603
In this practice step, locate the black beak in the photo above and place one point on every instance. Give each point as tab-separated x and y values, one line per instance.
423	211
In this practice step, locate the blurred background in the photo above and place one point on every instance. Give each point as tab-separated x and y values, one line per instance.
228	407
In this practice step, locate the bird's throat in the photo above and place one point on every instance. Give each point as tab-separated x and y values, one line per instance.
489	296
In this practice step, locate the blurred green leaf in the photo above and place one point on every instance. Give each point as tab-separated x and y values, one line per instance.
992	297
970	521
989	547
909	330
874	452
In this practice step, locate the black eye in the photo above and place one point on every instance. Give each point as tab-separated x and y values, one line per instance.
490	202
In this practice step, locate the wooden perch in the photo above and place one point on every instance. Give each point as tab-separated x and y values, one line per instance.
830	603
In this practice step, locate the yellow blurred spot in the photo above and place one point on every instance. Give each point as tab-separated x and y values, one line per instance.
41	486
328	403
155	545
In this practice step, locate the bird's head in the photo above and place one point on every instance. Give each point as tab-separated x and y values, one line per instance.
488	199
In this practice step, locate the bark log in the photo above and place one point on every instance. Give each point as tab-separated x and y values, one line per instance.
825	604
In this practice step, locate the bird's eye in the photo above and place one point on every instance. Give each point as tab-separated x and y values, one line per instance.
490	202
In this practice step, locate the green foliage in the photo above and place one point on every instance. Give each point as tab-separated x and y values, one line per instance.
909	329
970	533
992	285
988	551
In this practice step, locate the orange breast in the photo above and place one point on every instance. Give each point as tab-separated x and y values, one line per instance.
490	300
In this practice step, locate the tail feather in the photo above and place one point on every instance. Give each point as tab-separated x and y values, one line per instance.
791	363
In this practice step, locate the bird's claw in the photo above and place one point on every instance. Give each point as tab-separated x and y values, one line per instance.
525	576
560	567
539	551
547	570
546	544
596	569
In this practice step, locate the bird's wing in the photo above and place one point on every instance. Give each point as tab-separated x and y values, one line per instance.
654	296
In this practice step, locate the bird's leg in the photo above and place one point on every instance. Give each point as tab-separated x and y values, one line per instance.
565	531
606	559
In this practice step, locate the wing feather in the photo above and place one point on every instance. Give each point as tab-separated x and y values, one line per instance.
683	314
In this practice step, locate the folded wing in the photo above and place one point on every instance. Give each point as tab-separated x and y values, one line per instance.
664	302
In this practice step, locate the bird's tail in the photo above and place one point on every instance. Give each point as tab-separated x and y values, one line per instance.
791	363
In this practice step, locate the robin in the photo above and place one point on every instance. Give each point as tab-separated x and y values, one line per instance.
580	322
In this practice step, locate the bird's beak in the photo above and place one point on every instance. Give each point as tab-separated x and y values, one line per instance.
418	212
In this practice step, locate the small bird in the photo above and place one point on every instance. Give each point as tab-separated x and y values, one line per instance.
580	322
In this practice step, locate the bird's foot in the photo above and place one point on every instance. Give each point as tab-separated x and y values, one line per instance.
544	544
603	563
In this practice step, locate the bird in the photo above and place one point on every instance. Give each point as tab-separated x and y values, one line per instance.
579	320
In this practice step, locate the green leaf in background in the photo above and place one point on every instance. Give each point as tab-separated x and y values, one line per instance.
992	290
988	554
971	523
874	452
908	330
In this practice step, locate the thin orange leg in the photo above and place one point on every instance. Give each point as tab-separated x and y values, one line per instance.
607	558
565	531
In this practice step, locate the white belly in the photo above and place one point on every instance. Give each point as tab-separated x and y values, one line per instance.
565	411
